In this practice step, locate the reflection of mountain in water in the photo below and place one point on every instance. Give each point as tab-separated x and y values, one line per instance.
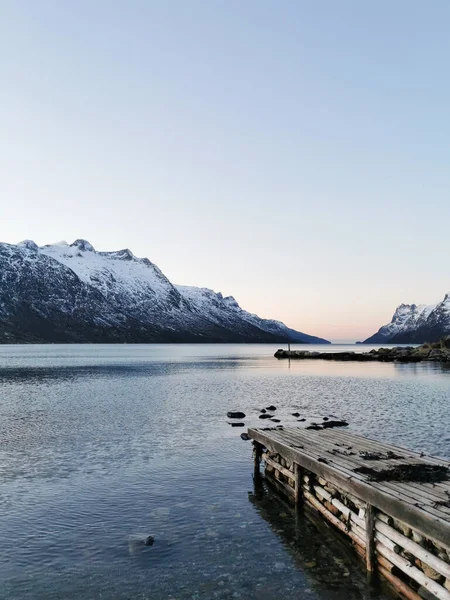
332	568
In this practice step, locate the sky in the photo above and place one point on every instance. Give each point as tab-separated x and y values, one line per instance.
293	154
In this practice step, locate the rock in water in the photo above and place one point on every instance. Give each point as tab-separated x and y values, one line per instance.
271	407
136	543
296	414
235	415
237	424
275	420
329	424
265	416
245	436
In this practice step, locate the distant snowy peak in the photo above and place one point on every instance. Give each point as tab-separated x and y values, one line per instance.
82	245
29	245
414	323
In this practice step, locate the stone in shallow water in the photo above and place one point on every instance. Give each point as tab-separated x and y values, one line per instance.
235	415
245	436
149	540
329	424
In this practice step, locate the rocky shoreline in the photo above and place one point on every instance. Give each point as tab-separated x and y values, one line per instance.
430	352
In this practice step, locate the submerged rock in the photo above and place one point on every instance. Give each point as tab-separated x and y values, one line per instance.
245	436
136	543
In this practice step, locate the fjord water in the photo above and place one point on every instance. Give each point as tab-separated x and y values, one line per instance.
102	446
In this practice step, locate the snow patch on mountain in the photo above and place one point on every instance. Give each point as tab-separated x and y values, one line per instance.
135	284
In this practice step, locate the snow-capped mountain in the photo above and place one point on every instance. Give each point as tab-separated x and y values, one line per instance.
415	324
72	293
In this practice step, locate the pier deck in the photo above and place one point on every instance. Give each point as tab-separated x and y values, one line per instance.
393	503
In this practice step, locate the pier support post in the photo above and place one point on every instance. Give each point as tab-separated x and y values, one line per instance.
370	540
257	452
298	485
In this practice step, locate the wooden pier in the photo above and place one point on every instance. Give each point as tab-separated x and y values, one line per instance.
392	504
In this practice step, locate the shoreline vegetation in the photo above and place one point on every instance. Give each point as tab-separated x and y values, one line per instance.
430	352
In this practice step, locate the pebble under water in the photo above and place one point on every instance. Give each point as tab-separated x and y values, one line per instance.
120	477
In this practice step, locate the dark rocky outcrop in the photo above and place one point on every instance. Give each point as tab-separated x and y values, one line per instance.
431	352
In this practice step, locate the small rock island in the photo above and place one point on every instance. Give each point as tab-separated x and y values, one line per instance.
431	352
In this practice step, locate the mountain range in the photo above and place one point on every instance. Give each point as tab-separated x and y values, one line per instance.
63	293
415	324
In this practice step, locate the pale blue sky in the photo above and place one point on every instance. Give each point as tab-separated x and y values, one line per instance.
293	154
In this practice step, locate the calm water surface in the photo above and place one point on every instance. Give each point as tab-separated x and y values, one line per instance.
101	446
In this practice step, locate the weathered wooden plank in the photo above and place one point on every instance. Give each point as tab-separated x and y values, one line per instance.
413	572
398	584
427	557
370	444
332	519
379	537
270	461
341	507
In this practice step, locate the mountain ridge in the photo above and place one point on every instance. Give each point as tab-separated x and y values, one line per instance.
72	293
415	324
